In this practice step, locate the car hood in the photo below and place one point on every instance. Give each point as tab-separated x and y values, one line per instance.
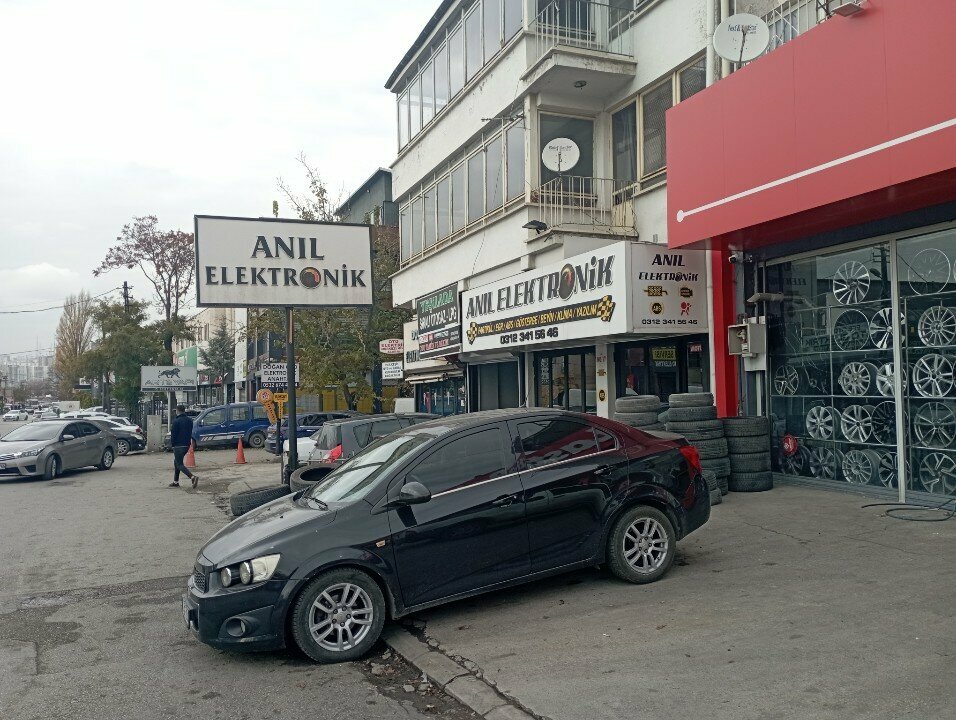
262	530
15	447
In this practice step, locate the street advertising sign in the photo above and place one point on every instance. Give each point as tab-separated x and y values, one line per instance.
393	370
790	445
258	262
393	346
166	378
439	324
669	289
281	397
274	375
265	396
271	412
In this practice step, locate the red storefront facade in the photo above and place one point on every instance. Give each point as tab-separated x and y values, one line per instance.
831	163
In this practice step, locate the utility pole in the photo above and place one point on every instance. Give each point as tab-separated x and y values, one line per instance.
126	289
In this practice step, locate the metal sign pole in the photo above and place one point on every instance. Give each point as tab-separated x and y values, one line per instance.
290	377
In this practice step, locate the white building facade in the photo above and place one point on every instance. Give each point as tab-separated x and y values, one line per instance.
531	173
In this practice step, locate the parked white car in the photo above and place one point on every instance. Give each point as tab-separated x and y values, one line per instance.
83	415
304	448
16	416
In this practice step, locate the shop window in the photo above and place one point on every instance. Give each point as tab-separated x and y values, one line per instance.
494	386
566	380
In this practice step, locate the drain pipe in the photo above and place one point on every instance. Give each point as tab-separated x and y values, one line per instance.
724	14
713	8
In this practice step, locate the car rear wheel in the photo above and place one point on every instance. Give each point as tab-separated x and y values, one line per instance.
52	468
338	616
257	440
122	447
106	462
641	546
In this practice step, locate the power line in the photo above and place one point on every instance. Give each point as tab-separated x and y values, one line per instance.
61	306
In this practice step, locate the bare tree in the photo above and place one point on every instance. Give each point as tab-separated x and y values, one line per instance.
317	205
166	258
74	336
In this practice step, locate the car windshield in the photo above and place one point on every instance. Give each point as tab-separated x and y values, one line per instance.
33	433
357	476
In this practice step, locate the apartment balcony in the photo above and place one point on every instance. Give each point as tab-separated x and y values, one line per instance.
572	203
581	47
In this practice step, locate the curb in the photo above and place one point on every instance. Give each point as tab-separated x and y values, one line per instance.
452	678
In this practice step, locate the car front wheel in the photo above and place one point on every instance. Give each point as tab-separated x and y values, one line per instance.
106	462
338	616
642	545
52	468
122	447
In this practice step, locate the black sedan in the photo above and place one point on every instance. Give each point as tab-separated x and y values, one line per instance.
440	511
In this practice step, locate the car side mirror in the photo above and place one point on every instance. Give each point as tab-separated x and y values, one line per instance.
68	437
413	493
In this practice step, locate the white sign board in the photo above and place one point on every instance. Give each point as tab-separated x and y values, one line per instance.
165	378
247	262
583	296
668	289
275	374
392	370
393	346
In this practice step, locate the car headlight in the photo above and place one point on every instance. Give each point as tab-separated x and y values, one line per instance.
28	453
256	570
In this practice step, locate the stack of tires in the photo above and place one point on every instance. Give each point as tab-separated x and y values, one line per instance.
694	416
748	439
639	411
715	495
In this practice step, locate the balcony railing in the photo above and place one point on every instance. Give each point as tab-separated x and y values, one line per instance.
587	204
583	24
792	18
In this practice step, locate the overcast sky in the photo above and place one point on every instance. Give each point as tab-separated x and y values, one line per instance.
116	109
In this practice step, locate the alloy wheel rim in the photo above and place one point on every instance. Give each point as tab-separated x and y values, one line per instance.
937	326
883	423
937	473
929	271
821	422
851	331
122	447
935	425
341	617
855	378
851	283
933	376
645	545
885	380
822	463
108	458
792	464
786	380
857	423
859	466
882	330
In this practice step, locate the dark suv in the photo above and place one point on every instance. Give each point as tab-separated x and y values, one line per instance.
337	441
306	424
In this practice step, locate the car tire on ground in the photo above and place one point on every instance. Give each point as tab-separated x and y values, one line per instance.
746	426
749	444
356	610
686	400
636	419
122	447
306	477
243	502
641	523
750	462
637	403
106	462
257	440
750	482
52	467
715	497
691	414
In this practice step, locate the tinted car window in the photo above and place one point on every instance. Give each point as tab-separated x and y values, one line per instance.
259	412
215	417
239	414
363	434
381	428
464	461
328	437
545	442
88	428
72	429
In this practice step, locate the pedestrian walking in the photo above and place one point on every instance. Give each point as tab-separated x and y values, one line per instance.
180	436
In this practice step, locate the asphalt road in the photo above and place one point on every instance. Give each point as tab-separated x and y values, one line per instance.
94	565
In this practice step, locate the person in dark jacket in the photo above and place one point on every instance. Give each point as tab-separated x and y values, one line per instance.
180	437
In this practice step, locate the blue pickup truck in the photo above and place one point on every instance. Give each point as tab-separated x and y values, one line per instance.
226	424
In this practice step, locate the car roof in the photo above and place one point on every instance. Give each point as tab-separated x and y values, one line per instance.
361	419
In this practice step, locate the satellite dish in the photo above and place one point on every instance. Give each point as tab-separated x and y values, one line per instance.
741	38
560	155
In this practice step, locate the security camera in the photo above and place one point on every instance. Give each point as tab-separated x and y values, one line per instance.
738	257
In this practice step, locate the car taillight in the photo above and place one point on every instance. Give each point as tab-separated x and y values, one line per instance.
334	454
693	459
139	429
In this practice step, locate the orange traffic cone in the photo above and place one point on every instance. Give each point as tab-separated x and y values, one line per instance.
240	455
190	459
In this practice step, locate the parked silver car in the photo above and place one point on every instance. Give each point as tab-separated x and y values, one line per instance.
50	447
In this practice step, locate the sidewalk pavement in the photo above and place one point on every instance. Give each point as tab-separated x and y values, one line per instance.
795	603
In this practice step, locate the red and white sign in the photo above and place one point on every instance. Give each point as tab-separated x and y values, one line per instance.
790	445
392	346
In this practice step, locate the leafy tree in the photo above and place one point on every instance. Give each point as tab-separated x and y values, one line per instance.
74	335
167	259
219	357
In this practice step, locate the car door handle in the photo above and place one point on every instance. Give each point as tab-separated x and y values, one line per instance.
503	501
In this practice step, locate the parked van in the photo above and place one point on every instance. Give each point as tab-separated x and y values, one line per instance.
226	424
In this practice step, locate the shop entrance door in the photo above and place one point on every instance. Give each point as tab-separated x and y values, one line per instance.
663	367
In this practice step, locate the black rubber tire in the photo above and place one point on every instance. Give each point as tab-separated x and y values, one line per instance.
636	419
663	417
750	462
243	502
307	476
106	462
751	444
719	466
686	400
711	479
122	447
746	426
52	467
750	482
722	481
692	414
715	497
257	440
697	426
711	449
637	403
615	546
697	435
303	603
655	426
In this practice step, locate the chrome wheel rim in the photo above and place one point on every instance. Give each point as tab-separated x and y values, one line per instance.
937	473
122	447
937	326
859	466
881	329
645	545
341	617
792	464
855	378
935	425
883	419
851	283
822	463
851	331
821	422
786	380
929	272
108	458
857	423
933	376
887	471
885	382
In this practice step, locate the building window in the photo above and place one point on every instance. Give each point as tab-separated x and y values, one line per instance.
624	139
581	132
494	184
415	104
654	103
443	201
476	187
566	379
512	13
456	61
473	57
458	202
430	227
403	134
491	15
441	79
405	227
428	94
417	226
515	151
692	79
